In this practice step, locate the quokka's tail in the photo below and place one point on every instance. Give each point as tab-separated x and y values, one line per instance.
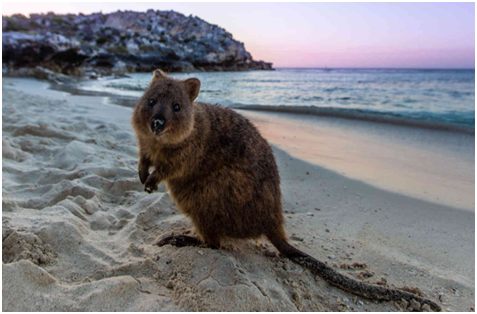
346	283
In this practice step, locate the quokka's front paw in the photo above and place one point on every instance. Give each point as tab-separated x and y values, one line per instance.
150	186
143	175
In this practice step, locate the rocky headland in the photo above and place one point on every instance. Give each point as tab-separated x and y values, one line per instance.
104	44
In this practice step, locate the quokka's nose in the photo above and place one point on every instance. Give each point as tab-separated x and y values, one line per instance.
157	125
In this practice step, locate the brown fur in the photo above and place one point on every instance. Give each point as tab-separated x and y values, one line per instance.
222	174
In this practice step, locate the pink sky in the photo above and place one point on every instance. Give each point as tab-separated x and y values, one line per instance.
407	35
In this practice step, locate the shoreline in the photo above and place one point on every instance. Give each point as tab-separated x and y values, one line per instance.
74	187
432	165
361	115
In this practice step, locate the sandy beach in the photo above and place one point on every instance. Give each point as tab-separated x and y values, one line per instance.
78	228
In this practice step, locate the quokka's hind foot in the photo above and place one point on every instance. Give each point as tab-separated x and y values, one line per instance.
179	241
183	240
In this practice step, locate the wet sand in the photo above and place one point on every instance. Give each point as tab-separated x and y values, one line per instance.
438	166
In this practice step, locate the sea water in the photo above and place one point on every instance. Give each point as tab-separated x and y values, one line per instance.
440	97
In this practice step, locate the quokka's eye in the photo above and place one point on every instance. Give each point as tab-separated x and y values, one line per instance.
176	107
152	102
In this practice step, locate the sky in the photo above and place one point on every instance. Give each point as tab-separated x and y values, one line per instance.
334	35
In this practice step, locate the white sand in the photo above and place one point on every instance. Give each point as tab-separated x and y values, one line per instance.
78	228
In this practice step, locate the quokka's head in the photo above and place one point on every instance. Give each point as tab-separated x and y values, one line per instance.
166	110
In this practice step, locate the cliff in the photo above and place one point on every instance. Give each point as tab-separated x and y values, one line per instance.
121	42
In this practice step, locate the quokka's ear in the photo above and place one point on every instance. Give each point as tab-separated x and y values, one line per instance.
158	74
192	88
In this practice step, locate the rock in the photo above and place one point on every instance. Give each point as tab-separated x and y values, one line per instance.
131	46
41	74
145	42
51	51
261	65
121	41
119	68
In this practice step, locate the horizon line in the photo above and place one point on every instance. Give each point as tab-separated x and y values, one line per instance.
371	68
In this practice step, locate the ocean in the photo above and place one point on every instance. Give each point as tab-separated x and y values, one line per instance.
422	97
